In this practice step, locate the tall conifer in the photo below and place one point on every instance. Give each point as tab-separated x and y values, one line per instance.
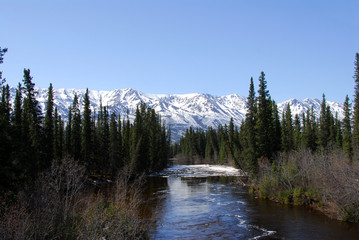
264	123
114	153
347	129
356	103
32	118
249	142
287	130
86	138
324	125
297	132
76	129
49	128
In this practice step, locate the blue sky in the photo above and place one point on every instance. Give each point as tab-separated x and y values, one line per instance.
305	48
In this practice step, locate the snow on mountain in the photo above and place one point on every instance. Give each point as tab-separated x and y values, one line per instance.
301	106
181	111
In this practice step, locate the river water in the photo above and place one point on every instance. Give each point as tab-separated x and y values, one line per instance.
205	202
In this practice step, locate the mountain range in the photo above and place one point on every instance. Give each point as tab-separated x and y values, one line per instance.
181	111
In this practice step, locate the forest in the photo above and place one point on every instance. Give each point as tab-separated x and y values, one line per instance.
302	160
47	163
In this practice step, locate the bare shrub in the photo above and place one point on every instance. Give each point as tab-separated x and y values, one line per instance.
114	216
338	181
15	222
303	177
53	200
46	208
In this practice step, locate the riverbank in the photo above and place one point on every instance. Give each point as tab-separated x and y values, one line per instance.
326	182
64	203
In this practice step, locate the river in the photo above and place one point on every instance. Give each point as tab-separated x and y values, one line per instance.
205	202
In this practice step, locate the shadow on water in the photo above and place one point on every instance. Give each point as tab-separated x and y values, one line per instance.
215	207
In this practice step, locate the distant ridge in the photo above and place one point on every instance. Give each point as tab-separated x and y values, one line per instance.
181	111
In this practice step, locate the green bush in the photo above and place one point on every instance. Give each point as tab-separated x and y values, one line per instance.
298	194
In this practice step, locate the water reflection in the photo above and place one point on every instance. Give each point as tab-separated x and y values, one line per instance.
215	207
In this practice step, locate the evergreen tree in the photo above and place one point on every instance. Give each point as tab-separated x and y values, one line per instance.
86	138
114	152
287	130
76	129
277	130
297	132
155	141
347	134
17	138
324	125
126	140
2	53
309	131
60	138
222	155
139	161
264	123
5	139
338	132
68	131
56	143
248	139
59	146
105	139
356	103
49	128
32	129
120	150
211	151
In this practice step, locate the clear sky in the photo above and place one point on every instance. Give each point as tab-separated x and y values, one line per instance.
305	47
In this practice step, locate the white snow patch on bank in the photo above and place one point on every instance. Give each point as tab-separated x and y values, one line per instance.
202	170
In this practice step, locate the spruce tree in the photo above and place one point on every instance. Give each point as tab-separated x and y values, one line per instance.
277	131
297	132
68	131
114	153
324	125
126	140
49	128
60	137
264	123
309	130
120	150
287	130
356	103
347	129
5	139
76	129
105	139
32	129
338	132
86	138
56	143
2	53
17	137
248	141
102	138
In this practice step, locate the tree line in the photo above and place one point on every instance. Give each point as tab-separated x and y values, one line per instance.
31	142
264	134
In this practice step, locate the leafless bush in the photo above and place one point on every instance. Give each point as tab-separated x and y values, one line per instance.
45	209
338	181
53	201
332	177
15	222
114	216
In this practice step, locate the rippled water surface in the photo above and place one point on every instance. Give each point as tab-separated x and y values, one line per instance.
204	202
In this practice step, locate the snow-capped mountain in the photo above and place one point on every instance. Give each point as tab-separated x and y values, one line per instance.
179	110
